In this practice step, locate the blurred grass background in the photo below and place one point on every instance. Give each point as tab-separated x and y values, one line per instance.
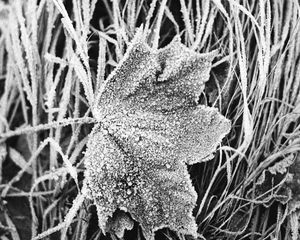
55	54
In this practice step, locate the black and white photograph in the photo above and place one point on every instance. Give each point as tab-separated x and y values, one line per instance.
149	119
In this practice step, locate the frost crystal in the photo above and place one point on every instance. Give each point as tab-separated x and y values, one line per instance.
150	127
119	223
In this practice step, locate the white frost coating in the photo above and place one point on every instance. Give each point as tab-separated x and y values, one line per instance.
151	126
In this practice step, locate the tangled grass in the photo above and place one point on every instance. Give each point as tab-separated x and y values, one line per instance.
55	55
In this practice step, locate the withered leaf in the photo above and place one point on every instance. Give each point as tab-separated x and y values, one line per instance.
150	127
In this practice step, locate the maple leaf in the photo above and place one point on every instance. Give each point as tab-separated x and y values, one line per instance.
150	127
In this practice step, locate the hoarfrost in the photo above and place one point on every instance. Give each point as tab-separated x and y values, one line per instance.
150	127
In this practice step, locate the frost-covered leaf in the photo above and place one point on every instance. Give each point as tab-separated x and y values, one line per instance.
282	166
271	185
150	126
154	81
156	192
119	223
279	168
293	183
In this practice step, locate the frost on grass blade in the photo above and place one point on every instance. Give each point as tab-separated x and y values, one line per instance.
150	127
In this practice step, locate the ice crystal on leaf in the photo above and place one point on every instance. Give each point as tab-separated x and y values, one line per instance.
150	127
119	223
